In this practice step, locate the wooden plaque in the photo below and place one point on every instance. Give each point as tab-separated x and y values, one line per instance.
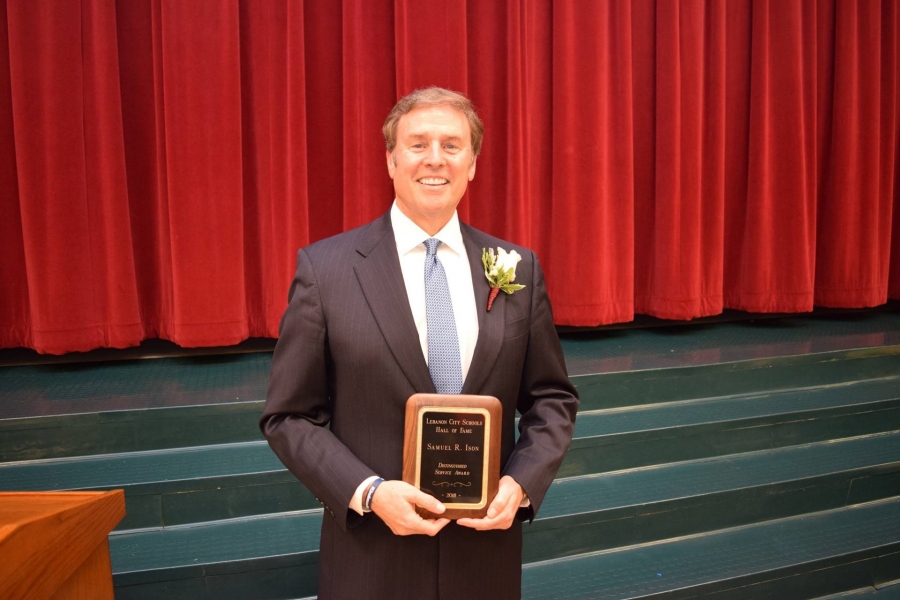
451	451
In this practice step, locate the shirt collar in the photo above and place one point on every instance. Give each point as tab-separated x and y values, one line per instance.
408	235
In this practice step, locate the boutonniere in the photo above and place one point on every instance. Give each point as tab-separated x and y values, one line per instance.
500	270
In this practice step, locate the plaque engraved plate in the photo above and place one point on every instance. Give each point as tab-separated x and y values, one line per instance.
451	451
451	464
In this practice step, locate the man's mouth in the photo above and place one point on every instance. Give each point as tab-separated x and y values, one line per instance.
433	181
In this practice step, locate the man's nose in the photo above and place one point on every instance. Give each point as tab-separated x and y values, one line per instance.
435	156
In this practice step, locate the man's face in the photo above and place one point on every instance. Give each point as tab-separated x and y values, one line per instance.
431	165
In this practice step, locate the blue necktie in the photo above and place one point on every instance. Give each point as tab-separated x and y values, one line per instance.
443	343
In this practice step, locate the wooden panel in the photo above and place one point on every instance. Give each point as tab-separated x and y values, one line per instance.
92	580
45	538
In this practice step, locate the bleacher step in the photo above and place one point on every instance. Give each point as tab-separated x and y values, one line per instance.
798	557
754	459
597	512
175	486
129	430
579	515
623	438
890	592
271	556
76	409
614	368
56	410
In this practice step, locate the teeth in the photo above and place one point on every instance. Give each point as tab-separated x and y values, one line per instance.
433	180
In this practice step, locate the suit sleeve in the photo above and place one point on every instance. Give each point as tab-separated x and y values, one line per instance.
547	403
298	406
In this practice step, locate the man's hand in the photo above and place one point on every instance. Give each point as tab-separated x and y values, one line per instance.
502	511
395	502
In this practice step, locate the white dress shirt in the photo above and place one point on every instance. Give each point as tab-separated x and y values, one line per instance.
410	240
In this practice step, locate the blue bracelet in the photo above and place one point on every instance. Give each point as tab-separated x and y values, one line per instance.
367	503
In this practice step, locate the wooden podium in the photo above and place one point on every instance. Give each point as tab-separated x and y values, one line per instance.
53	544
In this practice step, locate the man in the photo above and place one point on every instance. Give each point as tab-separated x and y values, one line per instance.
393	308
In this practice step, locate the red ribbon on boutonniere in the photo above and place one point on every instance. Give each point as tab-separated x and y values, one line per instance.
500	270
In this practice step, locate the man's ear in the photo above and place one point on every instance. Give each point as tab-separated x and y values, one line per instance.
391	163
472	168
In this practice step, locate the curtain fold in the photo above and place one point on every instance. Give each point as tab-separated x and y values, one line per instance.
858	196
775	259
274	153
368	93
161	162
77	266
590	258
679	200
15	318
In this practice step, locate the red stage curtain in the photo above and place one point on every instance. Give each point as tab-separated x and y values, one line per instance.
69	258
161	162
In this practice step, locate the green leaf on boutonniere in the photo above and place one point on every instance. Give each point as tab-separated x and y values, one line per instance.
512	287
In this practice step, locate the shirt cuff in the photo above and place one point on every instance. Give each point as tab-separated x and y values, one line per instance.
356	500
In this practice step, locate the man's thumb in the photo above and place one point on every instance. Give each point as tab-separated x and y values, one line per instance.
429	503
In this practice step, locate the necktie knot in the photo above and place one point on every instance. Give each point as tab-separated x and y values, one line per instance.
431	246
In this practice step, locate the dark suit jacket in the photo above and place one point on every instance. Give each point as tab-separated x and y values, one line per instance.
349	356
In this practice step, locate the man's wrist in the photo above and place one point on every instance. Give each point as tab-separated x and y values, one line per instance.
525	501
370	493
356	501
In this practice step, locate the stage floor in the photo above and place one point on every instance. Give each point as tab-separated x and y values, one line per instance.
147	383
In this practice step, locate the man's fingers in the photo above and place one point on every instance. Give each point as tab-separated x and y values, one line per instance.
483	524
501	502
417	525
494	510
502	520
395	503
500	513
430	527
427	502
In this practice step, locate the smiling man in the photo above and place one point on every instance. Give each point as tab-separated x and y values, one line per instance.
431	159
397	307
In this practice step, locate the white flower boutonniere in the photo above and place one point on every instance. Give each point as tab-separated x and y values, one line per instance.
500	270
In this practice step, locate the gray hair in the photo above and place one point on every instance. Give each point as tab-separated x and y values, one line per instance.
433	96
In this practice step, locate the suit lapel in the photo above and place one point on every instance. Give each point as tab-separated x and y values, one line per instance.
490	324
381	280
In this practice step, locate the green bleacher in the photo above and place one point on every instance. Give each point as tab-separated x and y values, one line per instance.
751	459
